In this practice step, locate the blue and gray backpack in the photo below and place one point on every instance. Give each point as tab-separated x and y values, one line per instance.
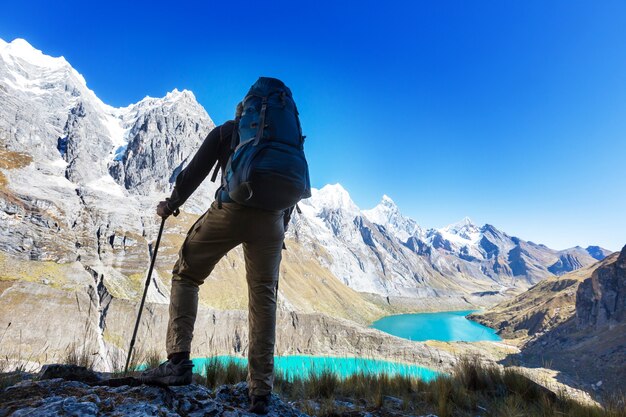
267	168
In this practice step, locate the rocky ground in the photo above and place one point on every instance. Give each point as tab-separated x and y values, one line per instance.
74	391
57	397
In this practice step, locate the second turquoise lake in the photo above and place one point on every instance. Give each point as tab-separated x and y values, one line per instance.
447	326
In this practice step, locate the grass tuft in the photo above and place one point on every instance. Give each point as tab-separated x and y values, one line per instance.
217	373
474	388
79	356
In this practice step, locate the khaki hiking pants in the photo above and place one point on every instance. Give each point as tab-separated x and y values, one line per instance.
215	233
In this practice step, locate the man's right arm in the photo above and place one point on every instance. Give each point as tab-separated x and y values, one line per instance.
197	170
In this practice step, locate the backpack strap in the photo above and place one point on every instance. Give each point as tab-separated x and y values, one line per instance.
219	198
217	162
234	137
259	132
233	142
233	147
300	129
216	170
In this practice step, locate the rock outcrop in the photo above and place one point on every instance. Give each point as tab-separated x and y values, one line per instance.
575	323
162	135
601	299
56	397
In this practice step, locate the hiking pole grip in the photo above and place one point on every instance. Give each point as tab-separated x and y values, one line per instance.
145	293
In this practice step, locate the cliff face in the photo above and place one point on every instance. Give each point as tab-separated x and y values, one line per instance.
162	135
545	306
601	299
576	323
54	322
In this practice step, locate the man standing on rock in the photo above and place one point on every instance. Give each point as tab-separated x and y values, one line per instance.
264	174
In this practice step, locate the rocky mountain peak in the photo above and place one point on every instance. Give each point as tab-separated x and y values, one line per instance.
597	252
176	94
387	214
383	212
171	98
162	134
464	229
29	71
387	201
489	228
464	223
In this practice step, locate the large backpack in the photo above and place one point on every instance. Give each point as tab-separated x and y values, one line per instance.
267	168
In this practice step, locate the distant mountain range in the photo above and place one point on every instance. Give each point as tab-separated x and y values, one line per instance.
79	181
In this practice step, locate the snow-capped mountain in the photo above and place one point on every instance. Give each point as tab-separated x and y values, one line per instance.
381	251
77	172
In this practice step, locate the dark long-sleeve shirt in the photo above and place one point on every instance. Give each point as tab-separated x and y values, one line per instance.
215	148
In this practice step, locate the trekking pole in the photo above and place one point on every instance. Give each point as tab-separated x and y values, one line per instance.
145	292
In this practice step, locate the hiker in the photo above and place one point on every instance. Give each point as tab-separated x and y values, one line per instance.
264	174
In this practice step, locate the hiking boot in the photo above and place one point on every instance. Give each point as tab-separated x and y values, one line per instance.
260	404
169	373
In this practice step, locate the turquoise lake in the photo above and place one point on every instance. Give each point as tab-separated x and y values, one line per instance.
303	366
448	326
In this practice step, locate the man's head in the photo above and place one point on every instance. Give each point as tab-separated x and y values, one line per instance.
239	110
268	83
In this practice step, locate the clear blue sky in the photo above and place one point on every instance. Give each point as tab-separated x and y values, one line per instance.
510	112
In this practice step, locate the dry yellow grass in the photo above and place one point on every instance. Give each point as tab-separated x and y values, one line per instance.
12	160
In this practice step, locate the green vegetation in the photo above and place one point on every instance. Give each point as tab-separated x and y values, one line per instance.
217	373
151	359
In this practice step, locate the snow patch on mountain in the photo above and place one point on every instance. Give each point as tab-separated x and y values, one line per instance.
333	196
20	48
464	232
